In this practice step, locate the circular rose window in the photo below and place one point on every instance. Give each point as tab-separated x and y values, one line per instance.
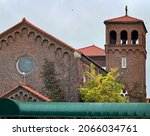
25	65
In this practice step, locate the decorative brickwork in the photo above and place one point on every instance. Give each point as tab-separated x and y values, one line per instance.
23	92
126	38
27	40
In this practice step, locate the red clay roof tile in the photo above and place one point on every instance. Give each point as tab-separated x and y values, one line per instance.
35	92
92	51
125	18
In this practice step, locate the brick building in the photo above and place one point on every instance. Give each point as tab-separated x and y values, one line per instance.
126	48
24	47
23	50
96	53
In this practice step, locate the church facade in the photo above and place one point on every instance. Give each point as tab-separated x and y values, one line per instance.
23	51
25	47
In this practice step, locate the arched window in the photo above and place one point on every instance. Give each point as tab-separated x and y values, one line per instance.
30	99
134	37
84	78
17	96
11	97
124	37
113	37
124	62
34	100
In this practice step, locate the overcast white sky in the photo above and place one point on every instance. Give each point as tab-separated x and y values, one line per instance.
76	22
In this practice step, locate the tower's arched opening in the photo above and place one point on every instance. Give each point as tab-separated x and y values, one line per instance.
124	37
113	37
134	37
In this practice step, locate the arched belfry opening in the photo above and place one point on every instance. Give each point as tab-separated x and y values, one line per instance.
134	37
124	37
113	37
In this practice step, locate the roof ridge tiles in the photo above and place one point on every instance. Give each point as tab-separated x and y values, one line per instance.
37	93
126	17
86	47
90	47
24	19
92	50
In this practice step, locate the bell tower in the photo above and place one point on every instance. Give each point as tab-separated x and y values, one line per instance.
126	49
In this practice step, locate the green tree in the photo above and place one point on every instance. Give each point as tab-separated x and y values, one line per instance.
102	88
51	88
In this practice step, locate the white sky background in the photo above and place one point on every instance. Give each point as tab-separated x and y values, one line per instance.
76	22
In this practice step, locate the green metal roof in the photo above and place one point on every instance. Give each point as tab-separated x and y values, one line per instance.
70	109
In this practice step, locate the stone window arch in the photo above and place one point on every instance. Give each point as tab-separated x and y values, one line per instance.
124	37
34	100
25	97
17	96
11	97
113	37
135	37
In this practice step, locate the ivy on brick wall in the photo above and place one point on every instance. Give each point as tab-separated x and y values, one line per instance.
51	84
136	93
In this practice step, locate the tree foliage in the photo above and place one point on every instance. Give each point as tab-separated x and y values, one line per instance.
102	88
51	83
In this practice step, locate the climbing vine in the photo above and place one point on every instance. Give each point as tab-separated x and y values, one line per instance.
51	84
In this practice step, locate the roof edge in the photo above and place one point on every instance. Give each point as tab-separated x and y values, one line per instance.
91	46
110	21
94	62
25	21
27	88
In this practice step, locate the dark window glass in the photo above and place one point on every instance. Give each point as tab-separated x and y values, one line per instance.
113	37
124	37
134	37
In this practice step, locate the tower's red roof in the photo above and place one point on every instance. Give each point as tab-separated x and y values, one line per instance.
125	18
92	51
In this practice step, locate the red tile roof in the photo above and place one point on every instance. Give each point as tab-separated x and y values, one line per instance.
40	30
92	51
125	18
35	92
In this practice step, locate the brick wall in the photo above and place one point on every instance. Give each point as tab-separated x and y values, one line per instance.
24	40
134	74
